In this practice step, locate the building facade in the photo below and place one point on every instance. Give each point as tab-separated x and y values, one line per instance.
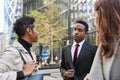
77	10
71	11
12	9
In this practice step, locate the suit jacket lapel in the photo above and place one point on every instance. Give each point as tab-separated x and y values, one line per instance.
70	57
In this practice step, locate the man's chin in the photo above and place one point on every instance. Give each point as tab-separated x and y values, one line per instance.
77	41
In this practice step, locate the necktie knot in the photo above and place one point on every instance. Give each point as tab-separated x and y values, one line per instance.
77	45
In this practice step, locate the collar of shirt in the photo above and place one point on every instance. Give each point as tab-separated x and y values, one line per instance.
81	43
79	48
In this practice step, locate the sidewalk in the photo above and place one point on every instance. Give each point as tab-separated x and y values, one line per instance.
51	74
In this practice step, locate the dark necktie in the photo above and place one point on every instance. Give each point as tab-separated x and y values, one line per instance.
75	54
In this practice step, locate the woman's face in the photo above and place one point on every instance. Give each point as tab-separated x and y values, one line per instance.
32	34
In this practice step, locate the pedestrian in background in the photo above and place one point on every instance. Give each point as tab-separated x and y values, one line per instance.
78	57
12	65
106	65
45	55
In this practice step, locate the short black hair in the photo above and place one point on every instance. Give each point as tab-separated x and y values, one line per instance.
83	23
22	24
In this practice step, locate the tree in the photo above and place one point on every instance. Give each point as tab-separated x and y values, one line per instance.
50	27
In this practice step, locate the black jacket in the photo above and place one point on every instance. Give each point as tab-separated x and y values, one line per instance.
83	63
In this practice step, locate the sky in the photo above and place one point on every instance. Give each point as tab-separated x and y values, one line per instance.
1	15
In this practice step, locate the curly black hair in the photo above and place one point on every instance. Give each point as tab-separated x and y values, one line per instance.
22	24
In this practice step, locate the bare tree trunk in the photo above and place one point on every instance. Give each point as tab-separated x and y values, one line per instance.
51	61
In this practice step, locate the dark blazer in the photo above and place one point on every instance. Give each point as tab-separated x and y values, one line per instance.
83	63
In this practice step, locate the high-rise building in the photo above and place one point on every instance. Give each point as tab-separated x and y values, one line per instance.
30	5
12	9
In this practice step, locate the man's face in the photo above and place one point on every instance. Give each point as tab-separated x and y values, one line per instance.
79	32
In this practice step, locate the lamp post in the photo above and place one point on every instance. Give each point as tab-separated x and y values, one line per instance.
69	19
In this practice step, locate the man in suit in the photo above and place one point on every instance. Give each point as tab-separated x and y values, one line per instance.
78	57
